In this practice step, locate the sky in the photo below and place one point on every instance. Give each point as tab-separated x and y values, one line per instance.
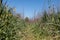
30	6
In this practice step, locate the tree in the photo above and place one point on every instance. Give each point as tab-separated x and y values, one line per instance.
27	19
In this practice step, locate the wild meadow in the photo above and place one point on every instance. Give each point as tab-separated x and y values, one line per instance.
15	27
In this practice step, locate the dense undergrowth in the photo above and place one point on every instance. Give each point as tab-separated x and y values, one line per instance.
15	28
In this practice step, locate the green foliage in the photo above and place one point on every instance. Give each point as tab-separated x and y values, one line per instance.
16	28
9	24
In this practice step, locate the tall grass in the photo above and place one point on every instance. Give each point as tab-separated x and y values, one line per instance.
14	27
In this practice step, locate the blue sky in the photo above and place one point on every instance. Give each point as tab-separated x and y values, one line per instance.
30	5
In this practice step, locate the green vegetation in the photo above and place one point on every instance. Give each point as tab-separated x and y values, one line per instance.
15	28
